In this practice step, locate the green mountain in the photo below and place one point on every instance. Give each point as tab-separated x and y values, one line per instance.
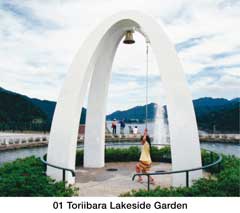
18	113
23	113
48	108
137	113
212	114
219	117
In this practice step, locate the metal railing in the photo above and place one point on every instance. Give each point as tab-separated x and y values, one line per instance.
71	170
58	167
186	171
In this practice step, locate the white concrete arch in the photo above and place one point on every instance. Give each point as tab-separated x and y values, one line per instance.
93	64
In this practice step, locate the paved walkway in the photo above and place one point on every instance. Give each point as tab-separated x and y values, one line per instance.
99	182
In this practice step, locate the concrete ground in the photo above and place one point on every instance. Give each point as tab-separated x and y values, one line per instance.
99	182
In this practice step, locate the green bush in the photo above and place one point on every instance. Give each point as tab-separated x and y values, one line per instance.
123	155
129	154
133	154
26	177
161	155
79	158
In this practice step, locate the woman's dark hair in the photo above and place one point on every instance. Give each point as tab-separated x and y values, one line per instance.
148	139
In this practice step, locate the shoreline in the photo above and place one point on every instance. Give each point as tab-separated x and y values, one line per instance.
34	144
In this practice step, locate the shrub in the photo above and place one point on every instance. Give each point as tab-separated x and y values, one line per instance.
25	177
161	155
123	155
79	158
129	154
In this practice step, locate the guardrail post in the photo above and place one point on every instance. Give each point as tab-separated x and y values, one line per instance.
64	175
211	156
148	182
219	166
187	179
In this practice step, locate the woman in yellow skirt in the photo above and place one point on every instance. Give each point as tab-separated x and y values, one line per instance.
145	161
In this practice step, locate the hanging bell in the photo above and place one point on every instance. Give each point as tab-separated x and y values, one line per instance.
129	38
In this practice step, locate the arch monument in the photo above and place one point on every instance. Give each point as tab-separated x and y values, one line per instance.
92	66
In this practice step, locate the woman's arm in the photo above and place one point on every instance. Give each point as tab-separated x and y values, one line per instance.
144	138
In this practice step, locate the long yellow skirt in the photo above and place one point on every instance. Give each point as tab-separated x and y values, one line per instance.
144	166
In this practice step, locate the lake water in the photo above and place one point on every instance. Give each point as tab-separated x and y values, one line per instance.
11	155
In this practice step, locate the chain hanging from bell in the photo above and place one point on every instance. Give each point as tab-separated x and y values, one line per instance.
129	37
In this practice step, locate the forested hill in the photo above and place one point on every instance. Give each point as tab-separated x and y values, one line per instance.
222	116
18	113
21	112
134	114
211	113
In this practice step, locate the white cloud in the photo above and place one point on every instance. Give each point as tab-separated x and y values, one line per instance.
234	72
35	57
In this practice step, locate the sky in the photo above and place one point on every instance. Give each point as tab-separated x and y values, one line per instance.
39	39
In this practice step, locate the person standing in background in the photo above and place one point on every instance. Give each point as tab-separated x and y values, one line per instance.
114	127
130	130
122	126
135	131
